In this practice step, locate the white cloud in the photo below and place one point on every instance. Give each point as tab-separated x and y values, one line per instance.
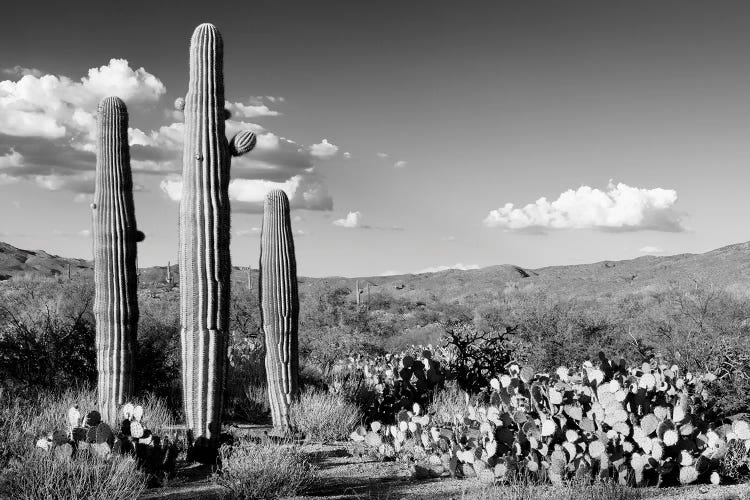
382	155
352	220
391	272
303	193
250	110
172	187
83	233
650	249
459	265
12	159
347	155
253	231
619	208
324	149
400	164
52	107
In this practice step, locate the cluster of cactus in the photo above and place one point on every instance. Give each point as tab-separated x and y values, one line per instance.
115	238
155	455
279	306
646	425
204	257
399	381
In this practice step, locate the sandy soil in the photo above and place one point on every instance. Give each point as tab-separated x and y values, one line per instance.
344	476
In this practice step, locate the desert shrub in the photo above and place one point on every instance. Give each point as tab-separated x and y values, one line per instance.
158	356
39	474
249	470
573	490
46	332
476	355
324	416
247	396
735	465
446	404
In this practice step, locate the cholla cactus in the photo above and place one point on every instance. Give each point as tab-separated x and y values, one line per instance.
115	238
204	259
279	306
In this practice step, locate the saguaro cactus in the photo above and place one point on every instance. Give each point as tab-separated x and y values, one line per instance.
205	266
279	306
115	238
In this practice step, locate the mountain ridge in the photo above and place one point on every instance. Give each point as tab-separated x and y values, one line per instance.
726	267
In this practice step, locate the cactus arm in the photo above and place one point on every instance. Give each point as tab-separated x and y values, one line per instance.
115	237
243	142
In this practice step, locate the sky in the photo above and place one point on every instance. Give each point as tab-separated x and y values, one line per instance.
410	136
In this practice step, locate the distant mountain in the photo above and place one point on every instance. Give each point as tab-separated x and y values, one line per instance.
727	267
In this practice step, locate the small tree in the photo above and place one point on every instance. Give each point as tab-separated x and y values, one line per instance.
476	355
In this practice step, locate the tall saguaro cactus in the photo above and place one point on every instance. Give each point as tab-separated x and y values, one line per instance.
205	266
279	306
115	238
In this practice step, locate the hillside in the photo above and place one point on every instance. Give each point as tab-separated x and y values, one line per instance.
726	267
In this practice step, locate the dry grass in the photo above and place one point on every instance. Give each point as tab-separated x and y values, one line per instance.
573	490
249	470
323	416
446	404
39	474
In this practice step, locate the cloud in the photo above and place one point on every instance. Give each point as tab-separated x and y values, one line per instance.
48	122
351	221
459	266
400	164
324	150
391	272
21	71
11	160
619	208
83	233
650	249
253	231
434	269
52	107
382	155
250	110
249	194
347	155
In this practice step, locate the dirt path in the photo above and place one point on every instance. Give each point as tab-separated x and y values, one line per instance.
343	476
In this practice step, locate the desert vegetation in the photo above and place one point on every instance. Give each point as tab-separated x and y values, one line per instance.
532	394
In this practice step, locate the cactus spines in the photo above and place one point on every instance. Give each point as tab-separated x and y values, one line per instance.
279	306
204	259
115	238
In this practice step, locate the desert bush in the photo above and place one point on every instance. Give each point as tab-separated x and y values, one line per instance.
735	465
46	333
447	404
572	490
249	470
247	396
38	474
476	355
324	416
158	356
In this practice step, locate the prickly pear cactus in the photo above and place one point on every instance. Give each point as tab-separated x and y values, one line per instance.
205	266
279	305
115	238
